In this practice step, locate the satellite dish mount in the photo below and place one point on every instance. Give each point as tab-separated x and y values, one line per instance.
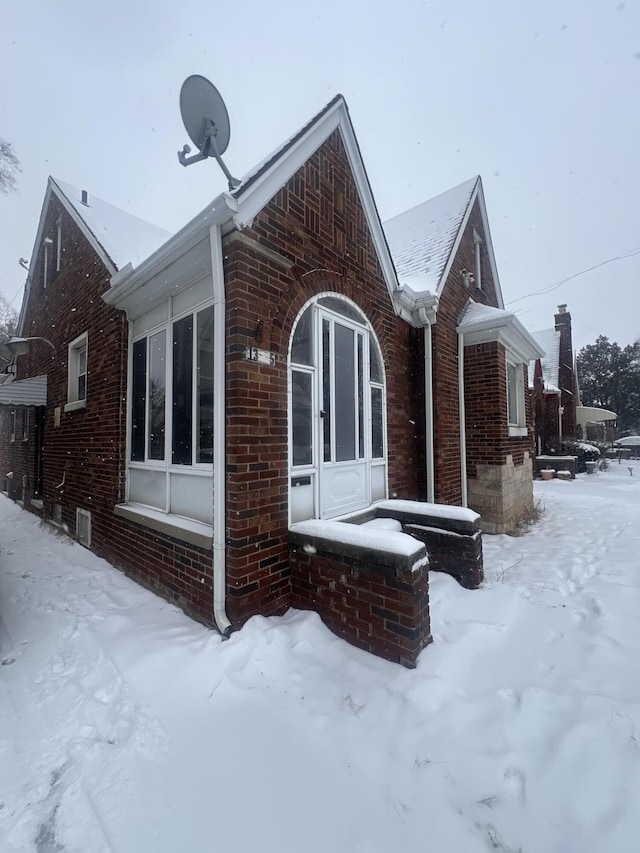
206	121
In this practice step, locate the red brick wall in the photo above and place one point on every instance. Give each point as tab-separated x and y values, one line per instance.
317	222
87	450
487	433
385	613
445	359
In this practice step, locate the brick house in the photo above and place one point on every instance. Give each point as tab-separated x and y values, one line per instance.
554	386
249	414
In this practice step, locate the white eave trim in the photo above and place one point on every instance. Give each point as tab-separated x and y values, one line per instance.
257	195
506	330
129	279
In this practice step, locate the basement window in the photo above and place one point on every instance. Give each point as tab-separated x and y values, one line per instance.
77	387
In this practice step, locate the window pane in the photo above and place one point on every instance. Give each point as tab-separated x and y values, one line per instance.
341	306
302	418
192	496
138	400
182	391
81	372
374	362
157	393
148	487
377	431
301	347
326	392
345	372
204	452
512	394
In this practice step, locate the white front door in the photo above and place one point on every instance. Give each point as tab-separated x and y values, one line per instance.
343	411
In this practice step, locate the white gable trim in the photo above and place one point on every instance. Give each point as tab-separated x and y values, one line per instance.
258	194
54	189
239	207
477	193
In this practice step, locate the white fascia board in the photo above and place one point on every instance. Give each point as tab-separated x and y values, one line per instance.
54	189
489	245
130	279
508	331
478	193
457	241
34	254
252	200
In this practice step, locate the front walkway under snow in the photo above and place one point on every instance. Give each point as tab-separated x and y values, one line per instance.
126	727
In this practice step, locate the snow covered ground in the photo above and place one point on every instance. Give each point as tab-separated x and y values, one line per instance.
126	727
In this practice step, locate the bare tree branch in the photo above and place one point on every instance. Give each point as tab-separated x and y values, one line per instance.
9	166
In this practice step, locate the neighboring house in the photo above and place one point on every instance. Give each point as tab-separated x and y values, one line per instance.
555	393
214	405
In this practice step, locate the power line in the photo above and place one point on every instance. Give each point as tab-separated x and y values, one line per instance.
630	254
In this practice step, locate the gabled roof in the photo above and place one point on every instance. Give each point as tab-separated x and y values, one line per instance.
424	239
482	323
549	340
238	207
117	237
122	237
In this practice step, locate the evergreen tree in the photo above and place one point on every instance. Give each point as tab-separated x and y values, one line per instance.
609	377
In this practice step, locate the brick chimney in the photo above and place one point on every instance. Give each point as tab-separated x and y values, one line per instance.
566	374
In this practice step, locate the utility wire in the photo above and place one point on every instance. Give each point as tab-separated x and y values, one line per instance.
630	254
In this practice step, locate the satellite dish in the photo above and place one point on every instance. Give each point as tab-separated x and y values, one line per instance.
206	121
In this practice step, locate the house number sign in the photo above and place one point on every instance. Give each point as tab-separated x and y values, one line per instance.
262	356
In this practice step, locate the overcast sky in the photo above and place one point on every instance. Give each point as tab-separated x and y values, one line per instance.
541	99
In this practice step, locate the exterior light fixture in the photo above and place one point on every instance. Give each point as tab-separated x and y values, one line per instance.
21	346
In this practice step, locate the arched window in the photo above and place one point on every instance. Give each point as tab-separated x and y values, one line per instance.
338	458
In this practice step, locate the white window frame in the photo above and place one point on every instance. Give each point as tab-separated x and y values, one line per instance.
516	421
77	354
165	470
306	476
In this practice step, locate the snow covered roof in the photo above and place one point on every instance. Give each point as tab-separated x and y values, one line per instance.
124	237
594	414
421	239
628	440
238	207
482	323
549	340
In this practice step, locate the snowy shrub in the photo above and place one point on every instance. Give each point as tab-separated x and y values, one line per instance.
584	452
